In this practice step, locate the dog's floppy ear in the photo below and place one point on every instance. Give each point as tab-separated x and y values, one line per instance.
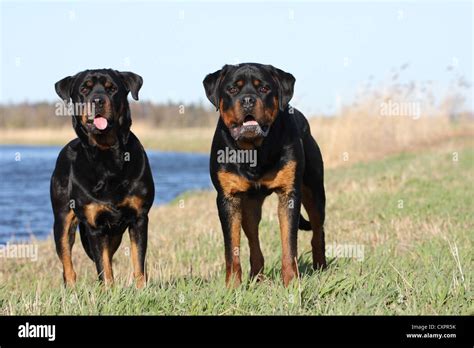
64	87
286	84
212	84
133	82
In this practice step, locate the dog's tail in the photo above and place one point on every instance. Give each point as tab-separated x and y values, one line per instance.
304	225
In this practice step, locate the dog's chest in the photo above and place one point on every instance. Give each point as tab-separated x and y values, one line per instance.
99	214
280	179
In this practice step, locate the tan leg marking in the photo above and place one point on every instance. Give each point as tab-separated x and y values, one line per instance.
67	239
138	273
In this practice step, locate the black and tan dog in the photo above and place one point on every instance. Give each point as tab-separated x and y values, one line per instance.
102	180
255	116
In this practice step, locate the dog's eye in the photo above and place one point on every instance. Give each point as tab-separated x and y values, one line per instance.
233	90
264	89
112	89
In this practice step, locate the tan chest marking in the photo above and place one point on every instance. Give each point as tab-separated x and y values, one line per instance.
283	179
92	210
232	183
133	202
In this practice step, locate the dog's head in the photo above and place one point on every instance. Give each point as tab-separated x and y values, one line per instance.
249	97
101	110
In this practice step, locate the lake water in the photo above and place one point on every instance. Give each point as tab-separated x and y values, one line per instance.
25	172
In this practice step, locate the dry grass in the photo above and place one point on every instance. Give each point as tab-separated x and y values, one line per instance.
37	136
344	140
359	137
175	139
172	139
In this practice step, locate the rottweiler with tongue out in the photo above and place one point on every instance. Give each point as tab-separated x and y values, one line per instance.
255	115
102	181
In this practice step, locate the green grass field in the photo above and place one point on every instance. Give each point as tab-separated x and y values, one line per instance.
411	213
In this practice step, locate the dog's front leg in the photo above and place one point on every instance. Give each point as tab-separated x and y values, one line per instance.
230	215
289	204
64	236
99	243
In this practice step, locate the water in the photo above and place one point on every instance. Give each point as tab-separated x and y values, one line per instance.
25	172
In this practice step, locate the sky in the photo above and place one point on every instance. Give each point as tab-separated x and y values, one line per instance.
332	48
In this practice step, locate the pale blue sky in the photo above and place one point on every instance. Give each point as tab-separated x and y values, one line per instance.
173	45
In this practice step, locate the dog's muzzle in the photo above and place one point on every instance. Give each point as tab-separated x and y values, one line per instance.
249	129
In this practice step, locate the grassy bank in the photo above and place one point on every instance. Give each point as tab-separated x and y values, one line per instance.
411	213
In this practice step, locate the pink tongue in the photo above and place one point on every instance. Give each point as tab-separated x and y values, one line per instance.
100	123
251	123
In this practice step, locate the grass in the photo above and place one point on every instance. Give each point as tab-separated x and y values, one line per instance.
411	212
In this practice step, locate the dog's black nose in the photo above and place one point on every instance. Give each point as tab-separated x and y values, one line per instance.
248	102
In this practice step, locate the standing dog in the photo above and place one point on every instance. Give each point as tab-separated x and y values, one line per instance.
102	180
255	116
